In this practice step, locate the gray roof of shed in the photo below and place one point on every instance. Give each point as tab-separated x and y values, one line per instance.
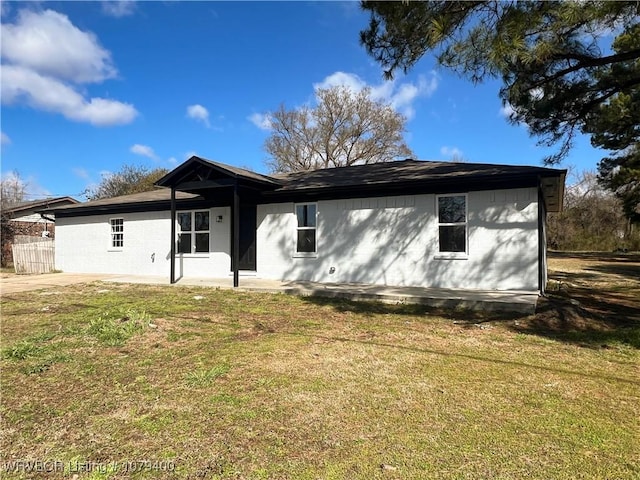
152	196
44	203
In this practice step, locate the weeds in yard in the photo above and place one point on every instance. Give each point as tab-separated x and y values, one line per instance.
35	353
204	377
114	329
38	352
22	350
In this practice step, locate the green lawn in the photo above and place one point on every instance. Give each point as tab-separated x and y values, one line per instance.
216	384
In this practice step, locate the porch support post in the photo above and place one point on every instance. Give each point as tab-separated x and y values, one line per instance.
235	236
172	275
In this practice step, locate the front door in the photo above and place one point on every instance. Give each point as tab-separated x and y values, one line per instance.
247	238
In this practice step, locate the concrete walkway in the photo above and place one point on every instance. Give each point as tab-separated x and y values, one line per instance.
502	301
10	283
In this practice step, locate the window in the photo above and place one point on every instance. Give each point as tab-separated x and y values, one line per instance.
193	232
452	224
306	229
117	232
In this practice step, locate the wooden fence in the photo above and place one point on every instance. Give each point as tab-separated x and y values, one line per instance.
33	254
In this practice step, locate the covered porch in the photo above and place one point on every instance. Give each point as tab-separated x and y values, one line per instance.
219	185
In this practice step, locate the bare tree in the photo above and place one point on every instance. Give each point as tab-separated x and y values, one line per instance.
130	179
592	219
345	128
12	189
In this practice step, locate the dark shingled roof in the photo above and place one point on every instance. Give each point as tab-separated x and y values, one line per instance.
194	163
406	171
392	178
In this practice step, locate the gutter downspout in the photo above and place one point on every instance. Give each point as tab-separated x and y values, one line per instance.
541	240
172	254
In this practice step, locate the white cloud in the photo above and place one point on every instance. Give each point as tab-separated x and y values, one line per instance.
451	152
4	139
190	154
44	55
81	173
260	120
342	79
143	150
50	44
198	112
119	8
49	94
400	96
172	161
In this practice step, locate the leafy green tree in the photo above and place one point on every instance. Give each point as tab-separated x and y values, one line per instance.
130	179
344	128
560	74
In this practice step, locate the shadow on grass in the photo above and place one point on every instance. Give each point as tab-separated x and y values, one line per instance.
556	318
597	256
630	271
478	358
596	323
371	308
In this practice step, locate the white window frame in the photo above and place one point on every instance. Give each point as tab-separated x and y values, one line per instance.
453	255
193	233
115	234
296	253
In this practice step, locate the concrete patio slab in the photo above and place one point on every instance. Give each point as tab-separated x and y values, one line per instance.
496	301
10	283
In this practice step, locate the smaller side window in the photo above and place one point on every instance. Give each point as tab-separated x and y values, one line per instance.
117	232
306	228
452	224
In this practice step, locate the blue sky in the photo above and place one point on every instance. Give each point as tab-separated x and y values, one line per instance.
90	86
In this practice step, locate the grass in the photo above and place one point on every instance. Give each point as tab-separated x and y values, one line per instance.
253	386
204	377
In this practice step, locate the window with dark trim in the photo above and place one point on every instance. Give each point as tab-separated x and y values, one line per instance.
452	223
306	228
193	232
117	232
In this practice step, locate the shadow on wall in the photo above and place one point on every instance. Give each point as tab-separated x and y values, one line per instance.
396	246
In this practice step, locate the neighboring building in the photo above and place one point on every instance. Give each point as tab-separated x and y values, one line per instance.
408	223
23	218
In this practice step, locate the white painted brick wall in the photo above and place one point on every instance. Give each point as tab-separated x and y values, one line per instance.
83	246
394	241
386	241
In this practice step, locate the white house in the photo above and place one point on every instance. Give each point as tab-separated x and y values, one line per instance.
407	223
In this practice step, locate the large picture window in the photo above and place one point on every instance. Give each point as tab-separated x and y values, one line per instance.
452	224
306	229
117	232
193	232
